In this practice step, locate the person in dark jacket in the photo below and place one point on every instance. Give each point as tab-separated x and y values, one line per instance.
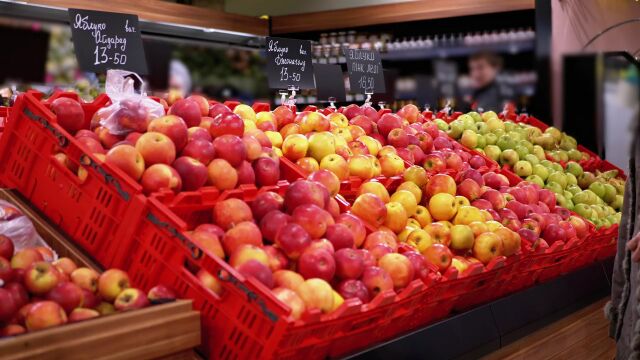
484	68
623	310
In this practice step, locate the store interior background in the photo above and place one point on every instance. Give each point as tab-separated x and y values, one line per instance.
426	60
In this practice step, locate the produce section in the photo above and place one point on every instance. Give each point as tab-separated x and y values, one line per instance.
315	247
175	213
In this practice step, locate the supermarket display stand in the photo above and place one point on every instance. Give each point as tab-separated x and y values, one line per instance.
487	328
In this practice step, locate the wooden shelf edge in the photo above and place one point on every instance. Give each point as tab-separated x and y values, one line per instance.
161	11
392	13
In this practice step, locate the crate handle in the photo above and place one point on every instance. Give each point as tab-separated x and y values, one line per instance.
251	295
108	178
62	140
196	252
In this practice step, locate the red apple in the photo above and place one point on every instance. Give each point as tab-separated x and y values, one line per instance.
6	272
356	226
353	288
41	277
267	171
266	202
45	314
128	159
201	150
69	114
340	236
305	192
230	148
68	295
6	247
257	270
173	127
227	123
272	222
160	176
231	211
188	110
349	263
131	299
242	233
18	293
434	163
469	189
292	239
388	122
81	314
111	283
316	263
313	219
217	109
376	280
553	233
192	173
198	133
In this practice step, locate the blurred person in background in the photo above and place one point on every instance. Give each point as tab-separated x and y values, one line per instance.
179	78
484	68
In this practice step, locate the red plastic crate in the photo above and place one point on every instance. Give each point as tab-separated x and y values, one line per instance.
246	321
100	213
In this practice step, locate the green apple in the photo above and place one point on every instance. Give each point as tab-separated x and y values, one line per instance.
571	180
476	117
467	122
545	141
561	200
612	219
535	179
441	124
515	136
569	205
469	138
557	167
573	189
574	154
563	156
522	151
555	156
489	115
482	128
493	152
574	168
523	168
568	143
497	132
509	126
538	151
583	210
455	129
554	186
482	141
598	188
532	132
618	184
609	193
526	144
532	159
509	157
491	138
598	210
558	177
541	171
554	132
581	198
495	123
617	203
546	163
608	210
567	194
505	142
592	198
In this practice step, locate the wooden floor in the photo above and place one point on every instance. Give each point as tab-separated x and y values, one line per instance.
582	335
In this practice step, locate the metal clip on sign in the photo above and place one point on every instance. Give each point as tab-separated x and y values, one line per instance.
367	100
292	97
332	102
381	104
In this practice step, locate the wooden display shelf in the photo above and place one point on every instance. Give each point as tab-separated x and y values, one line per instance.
162	11
168	331
392	13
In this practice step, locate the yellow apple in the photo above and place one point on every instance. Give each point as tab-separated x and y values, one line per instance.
343	134
487	246
423	216
338	119
421	238
387	150
376	188
337	165
462	201
361	166
295	147
321	144
443	206
275	137
391	165
467	215
478	227
461	237
412	188
492	225
407	200
396	219
372	144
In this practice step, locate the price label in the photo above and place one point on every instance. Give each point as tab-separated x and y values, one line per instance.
365	71
329	82
105	40
289	63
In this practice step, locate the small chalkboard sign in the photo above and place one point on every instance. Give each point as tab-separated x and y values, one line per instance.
365	71
106	40
289	63
329	82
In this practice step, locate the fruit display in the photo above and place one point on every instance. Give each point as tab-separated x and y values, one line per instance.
38	292
548	158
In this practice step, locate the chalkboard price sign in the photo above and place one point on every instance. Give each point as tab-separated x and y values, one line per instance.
105	40
289	63
365	71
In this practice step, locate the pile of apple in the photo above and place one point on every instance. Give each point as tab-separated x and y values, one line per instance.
37	293
192	146
304	249
527	150
357	141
